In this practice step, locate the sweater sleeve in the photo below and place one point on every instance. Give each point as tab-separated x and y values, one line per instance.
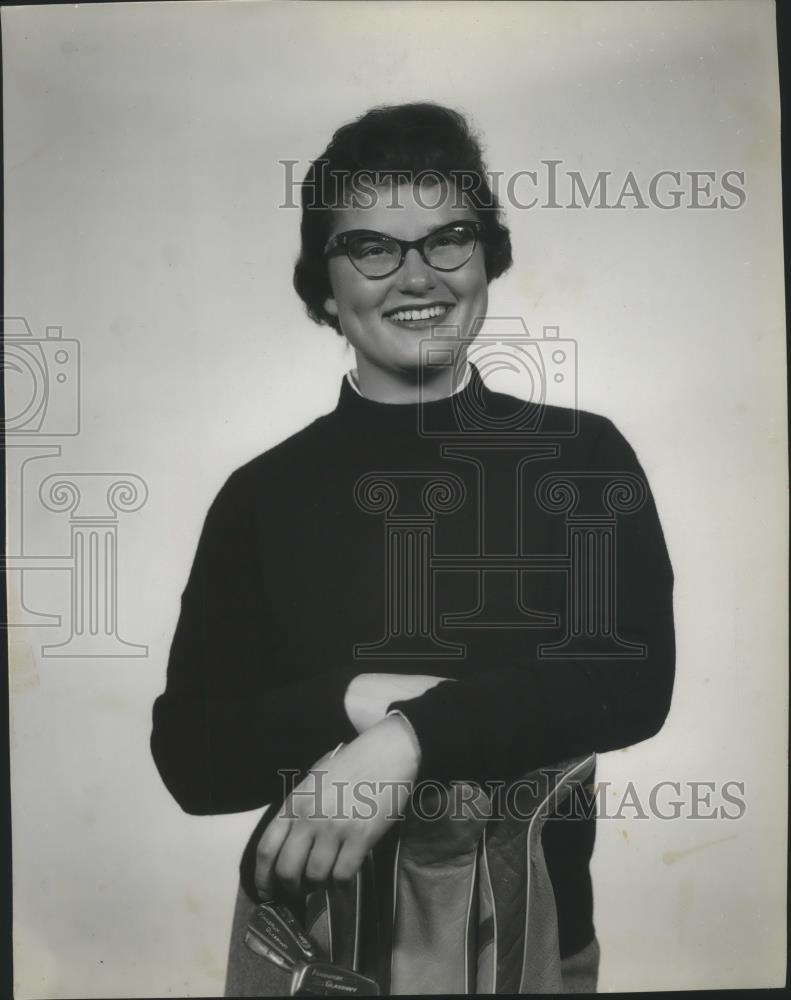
496	724
228	718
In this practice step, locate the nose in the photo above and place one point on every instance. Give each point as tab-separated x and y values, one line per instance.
415	275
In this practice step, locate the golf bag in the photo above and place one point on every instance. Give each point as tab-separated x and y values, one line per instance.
455	899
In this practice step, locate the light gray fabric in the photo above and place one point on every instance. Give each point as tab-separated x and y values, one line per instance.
435	916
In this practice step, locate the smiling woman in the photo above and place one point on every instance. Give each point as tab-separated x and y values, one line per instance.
504	653
386	316
404	172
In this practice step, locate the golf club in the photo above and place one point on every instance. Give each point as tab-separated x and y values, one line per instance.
322	979
262	949
274	933
275	925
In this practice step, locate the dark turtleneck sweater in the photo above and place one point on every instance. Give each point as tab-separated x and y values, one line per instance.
287	601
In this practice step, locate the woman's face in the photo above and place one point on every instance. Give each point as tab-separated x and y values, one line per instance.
388	346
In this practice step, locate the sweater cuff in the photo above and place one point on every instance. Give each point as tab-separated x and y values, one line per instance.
448	733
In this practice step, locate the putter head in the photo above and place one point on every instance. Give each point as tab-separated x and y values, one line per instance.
323	979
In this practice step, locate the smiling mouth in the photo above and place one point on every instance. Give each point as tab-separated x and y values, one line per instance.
422	314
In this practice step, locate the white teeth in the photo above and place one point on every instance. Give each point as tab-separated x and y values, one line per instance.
407	315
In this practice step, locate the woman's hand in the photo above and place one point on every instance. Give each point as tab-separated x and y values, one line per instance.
368	695
332	819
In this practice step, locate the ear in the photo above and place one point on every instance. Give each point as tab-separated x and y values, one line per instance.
331	306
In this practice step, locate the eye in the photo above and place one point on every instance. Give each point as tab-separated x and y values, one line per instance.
369	247
452	237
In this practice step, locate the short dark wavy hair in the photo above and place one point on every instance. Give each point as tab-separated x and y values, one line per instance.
395	141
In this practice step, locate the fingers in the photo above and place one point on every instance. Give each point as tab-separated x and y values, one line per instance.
321	860
290	865
292	857
304	847
267	852
349	860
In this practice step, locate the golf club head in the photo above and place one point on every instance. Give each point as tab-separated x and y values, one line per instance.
276	926
323	979
262	949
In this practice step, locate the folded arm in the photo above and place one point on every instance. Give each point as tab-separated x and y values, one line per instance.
229	711
504	720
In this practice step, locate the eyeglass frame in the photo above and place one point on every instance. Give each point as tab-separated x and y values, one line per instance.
339	243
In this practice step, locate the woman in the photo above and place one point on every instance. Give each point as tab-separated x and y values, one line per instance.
286	646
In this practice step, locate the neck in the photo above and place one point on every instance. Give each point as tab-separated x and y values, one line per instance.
386	386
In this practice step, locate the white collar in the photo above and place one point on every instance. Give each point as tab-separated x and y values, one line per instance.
353	380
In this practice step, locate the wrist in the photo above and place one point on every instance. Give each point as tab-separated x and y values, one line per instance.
401	731
360	704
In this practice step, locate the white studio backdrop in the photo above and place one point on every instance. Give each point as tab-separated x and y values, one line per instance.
142	183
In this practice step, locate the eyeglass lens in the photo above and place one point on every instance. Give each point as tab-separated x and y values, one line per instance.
445	250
